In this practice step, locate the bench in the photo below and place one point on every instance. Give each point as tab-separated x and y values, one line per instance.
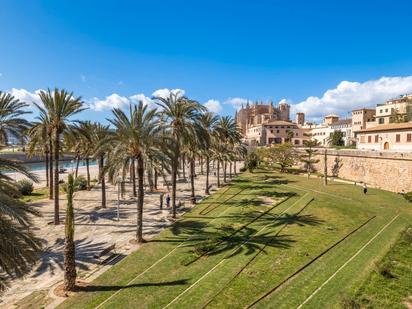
105	254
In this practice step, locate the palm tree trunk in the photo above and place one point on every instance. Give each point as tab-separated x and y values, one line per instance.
102	180
201	165
230	169
51	169
218	170
140	199
192	176
47	167
184	167
77	165
224	171
156	175
88	173
174	174
69	247
133	175
56	178
207	176
234	167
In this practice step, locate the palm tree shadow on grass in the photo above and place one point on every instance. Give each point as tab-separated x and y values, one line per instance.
52	258
102	288
228	238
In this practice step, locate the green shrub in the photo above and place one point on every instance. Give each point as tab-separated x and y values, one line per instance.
385	269
408	196
80	183
25	187
242	169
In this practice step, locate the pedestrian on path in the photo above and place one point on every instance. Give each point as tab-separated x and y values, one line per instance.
365	188
168	201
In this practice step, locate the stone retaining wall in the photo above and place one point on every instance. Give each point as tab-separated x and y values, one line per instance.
390	171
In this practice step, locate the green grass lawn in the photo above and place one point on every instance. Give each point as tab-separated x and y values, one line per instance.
252	236
390	284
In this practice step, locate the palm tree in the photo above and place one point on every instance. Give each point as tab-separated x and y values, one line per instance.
19	247
60	106
69	247
180	116
208	121
11	123
39	143
135	139
228	135
100	138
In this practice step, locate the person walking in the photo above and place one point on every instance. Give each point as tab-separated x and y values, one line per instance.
365	188
168	201
161	200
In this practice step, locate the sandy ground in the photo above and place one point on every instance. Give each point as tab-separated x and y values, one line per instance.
96	229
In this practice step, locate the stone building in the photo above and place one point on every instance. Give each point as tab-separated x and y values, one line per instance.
257	114
276	132
392	136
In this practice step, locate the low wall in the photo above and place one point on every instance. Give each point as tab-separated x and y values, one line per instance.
390	171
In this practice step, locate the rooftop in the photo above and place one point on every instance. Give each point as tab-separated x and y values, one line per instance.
389	127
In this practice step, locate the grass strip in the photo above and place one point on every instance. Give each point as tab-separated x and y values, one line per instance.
255	256
210	204
274	289
347	262
240	229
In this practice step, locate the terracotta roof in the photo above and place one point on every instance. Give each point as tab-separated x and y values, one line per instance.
342	121
280	123
389	127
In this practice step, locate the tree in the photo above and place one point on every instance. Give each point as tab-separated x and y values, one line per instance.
11	123
69	247
337	164
336	139
180	116
308	158
283	155
39	144
60	106
136	138
208	121
19	247
252	161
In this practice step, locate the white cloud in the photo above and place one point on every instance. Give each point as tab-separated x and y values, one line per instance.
237	102
26	96
350	95
141	97
165	92
112	101
1	74
213	106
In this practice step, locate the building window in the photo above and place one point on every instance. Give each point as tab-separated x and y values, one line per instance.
277	131
376	138
381	120
369	139
297	142
398	138
409	137
297	134
362	139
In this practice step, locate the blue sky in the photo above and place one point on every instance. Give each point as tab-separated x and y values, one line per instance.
321	56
